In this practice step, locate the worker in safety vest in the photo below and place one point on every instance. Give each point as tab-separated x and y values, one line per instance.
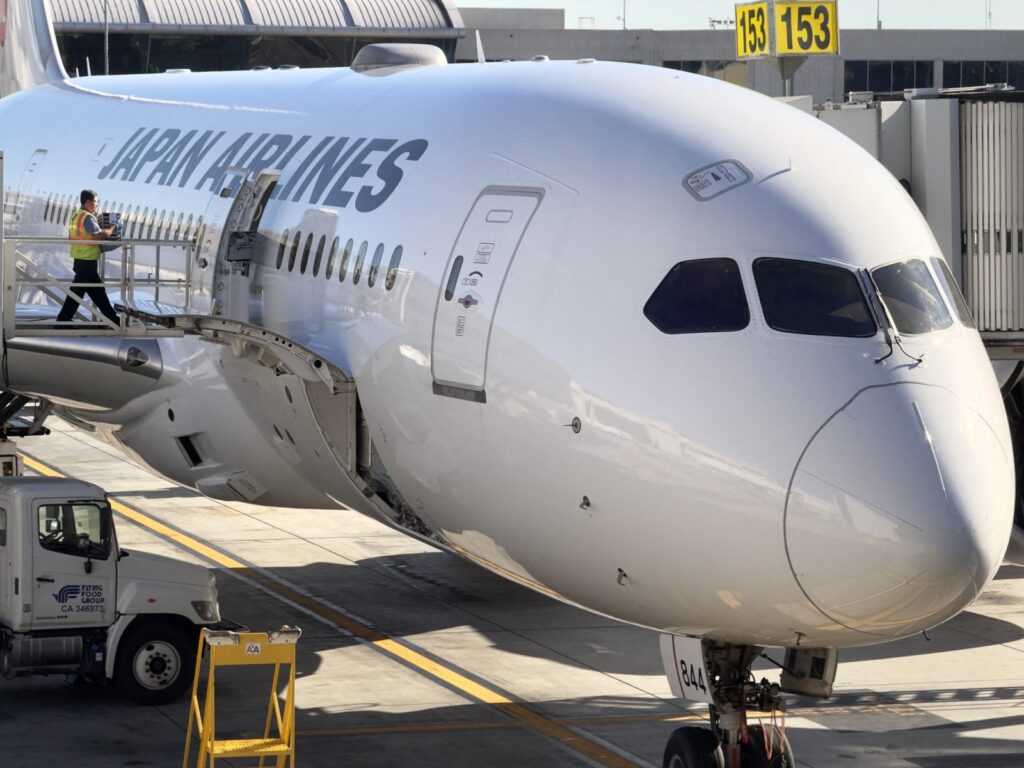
85	226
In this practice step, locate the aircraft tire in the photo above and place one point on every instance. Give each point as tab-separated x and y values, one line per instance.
754	754
155	662
692	747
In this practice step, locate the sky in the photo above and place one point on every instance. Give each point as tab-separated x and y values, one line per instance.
694	14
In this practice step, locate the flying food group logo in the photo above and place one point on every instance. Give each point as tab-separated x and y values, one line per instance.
67	592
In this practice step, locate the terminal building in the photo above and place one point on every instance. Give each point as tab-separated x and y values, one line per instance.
155	35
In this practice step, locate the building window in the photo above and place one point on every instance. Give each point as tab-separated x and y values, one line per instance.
693	67
887	76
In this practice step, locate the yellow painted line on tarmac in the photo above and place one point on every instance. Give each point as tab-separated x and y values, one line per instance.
379	730
450	677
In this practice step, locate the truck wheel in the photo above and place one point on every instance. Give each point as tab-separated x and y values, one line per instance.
155	662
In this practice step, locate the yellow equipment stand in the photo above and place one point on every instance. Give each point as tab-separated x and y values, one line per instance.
232	649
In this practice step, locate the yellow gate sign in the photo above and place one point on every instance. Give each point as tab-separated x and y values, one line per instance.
751	30
805	29
786	28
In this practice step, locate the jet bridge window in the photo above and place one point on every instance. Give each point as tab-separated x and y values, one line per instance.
702	296
79	528
812	298
912	297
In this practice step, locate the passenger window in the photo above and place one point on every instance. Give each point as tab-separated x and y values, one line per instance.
280	249
702	296
378	255
953	293
343	269
812	298
912	297
319	255
82	529
305	253
294	252
331	257
358	271
396	259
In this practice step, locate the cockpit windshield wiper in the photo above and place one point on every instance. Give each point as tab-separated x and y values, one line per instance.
892	334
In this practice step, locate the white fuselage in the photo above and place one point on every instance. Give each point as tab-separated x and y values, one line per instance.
753	486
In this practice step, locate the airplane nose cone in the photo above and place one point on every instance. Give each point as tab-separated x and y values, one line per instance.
899	511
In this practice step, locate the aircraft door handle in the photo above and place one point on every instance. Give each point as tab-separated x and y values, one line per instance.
46	579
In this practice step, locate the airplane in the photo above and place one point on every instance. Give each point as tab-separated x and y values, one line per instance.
644	341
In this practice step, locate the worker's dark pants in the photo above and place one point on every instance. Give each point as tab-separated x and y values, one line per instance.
87	271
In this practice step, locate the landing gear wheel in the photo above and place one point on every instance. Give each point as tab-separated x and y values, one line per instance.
155	663
777	753
692	747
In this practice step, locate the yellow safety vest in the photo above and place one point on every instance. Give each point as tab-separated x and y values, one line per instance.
77	231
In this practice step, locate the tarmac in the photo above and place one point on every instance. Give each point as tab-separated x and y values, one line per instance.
410	655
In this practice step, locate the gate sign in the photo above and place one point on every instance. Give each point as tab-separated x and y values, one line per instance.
805	29
784	28
751	30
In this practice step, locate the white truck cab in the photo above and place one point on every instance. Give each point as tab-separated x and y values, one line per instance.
72	601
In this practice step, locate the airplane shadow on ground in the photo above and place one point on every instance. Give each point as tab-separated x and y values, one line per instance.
413	594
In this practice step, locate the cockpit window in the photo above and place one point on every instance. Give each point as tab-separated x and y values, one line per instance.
912	297
953	292
702	296
812	298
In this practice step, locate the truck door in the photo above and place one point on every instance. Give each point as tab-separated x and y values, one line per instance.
74	564
471	287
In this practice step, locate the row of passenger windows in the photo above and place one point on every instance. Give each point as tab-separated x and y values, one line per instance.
302	256
804	297
143	223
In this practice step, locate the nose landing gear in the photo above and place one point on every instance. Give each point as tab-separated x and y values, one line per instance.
731	742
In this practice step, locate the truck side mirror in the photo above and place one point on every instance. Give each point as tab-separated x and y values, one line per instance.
88	566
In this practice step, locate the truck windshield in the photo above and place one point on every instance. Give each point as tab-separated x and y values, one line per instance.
81	528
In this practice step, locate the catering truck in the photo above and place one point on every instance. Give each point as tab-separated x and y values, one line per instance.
73	602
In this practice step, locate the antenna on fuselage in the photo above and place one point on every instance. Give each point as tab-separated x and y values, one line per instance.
480	49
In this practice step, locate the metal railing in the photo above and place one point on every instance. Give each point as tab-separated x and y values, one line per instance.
144	271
